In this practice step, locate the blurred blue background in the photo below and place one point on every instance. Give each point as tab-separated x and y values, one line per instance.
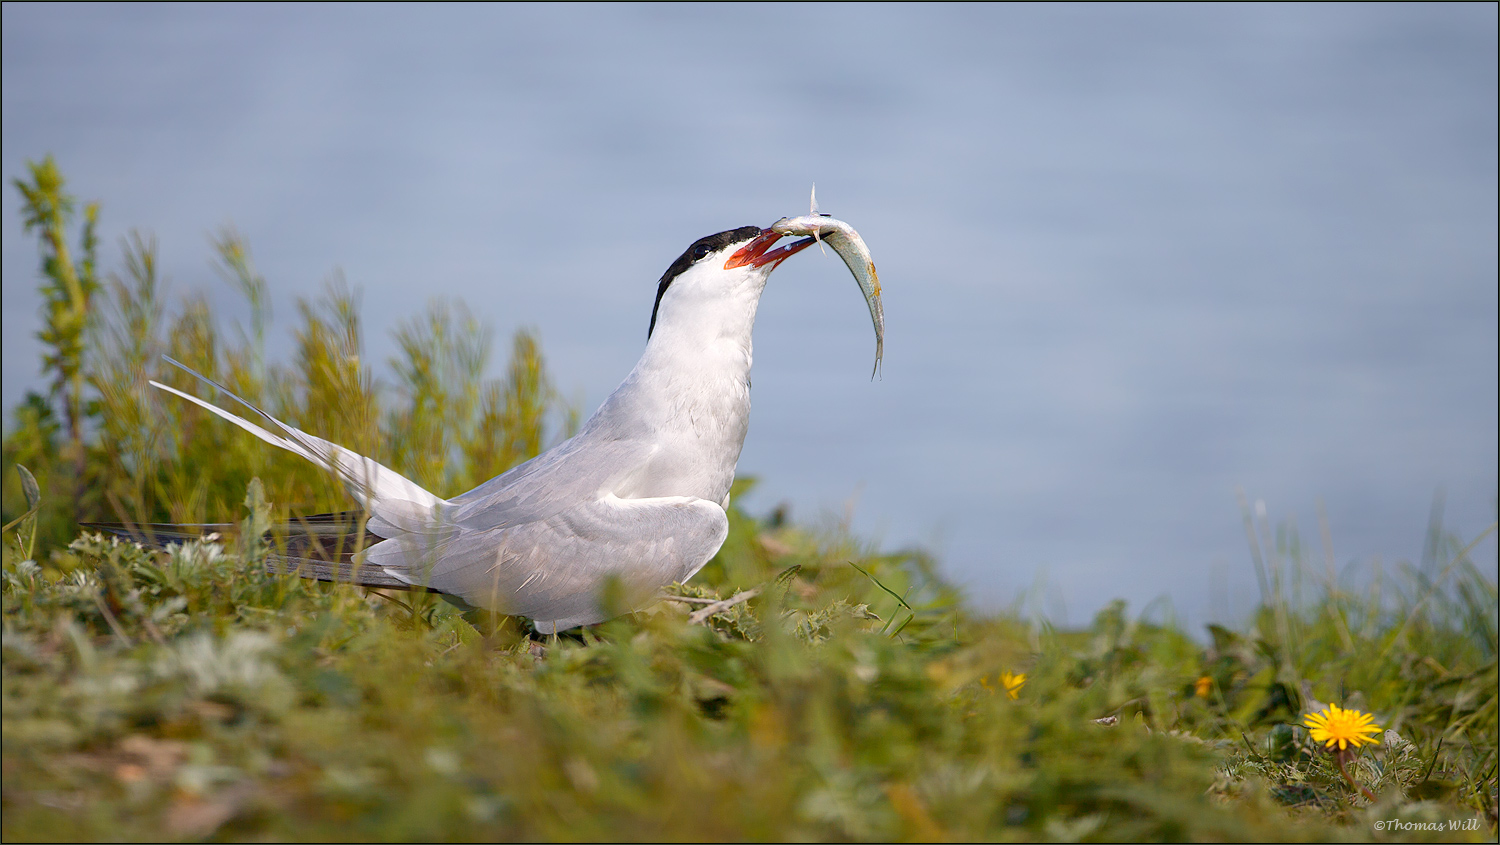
1134	258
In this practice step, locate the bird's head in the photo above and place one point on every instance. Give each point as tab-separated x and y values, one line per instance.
718	266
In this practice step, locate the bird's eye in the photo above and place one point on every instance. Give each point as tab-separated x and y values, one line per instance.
701	251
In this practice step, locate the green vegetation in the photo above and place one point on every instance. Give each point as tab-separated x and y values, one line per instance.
853	695
127	452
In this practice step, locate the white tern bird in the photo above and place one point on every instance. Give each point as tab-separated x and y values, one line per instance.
638	494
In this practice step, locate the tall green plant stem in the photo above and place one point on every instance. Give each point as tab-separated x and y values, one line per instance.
67	289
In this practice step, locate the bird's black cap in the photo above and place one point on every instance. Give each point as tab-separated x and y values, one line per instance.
700	248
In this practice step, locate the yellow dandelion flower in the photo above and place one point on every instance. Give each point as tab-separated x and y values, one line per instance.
1203	686
1337	726
1012	684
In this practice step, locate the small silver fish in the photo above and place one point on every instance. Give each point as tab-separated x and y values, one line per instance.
850	247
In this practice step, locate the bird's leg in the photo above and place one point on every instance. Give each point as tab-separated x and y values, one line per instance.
544	640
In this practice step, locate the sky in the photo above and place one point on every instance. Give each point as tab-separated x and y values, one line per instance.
1135	258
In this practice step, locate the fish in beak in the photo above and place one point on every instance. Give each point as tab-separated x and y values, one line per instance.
850	247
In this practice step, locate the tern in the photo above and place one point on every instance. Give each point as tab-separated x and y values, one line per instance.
639	494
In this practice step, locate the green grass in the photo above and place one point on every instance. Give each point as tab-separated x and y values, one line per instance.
189	695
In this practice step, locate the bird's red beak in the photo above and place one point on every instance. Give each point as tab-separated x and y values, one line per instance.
755	253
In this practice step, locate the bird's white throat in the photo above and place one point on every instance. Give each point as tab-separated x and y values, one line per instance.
692	385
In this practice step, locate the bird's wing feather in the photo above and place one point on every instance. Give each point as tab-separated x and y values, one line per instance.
613	444
372	483
550	569
577	469
581	468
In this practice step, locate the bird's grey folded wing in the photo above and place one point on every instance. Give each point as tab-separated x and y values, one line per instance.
552	570
614	443
576	470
